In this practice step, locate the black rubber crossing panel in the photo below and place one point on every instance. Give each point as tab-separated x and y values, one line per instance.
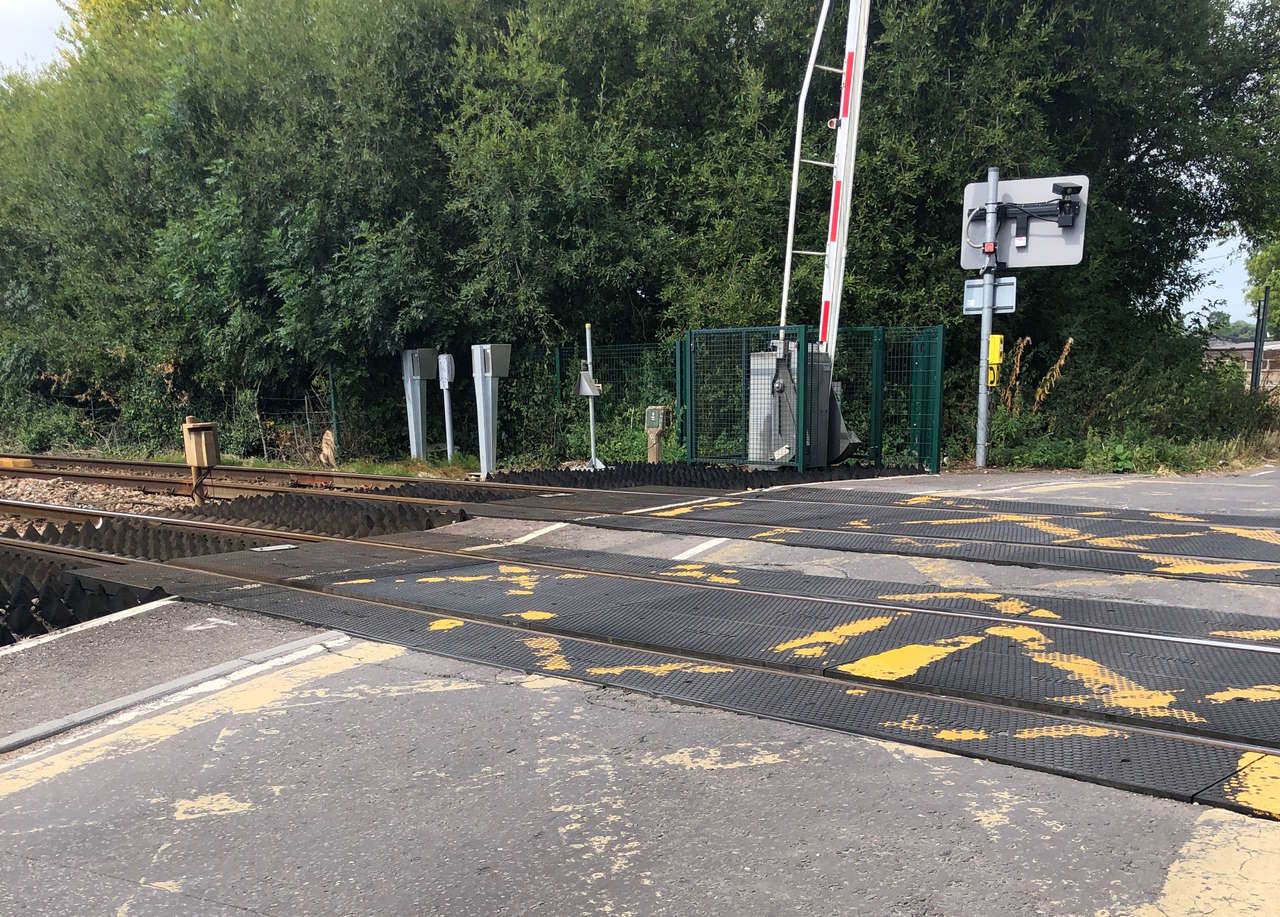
320	560
1003	553
1105	535
875	498
1165	765
1254	789
599	501
1185	687
1141	680
790	633
1138	617
172	580
498	593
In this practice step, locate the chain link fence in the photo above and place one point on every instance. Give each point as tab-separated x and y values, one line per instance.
744	386
749	396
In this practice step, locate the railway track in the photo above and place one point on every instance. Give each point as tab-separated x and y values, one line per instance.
235	480
681	650
1004	532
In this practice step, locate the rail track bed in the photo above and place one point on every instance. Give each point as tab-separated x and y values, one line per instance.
1178	702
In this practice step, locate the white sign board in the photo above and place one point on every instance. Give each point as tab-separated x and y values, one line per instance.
1045	244
1006	295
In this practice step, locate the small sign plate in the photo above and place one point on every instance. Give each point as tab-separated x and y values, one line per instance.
1006	295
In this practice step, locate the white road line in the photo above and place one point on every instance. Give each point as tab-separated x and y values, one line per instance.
332	640
526	537
87	625
699	548
537	533
847	484
654	509
1258	474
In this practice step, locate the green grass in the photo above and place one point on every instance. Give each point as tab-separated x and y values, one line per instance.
460	467
1140	455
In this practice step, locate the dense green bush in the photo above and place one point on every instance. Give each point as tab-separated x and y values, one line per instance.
207	199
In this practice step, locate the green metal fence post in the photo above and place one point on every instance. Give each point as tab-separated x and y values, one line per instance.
921	380
802	392
678	364
690	431
935	456
744	361
556	443
875	449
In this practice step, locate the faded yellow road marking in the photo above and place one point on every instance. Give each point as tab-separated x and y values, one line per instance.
683	510
775	535
905	661
204	806
950	594
1248	634
1186	566
1036	522
354	582
1257	783
916	543
994	600
445	624
699	758
1256	693
523	580
250	697
1104	685
531	615
665	668
1065	730
700	572
1266	536
1225	868
1051	487
820	641
1176	517
961	735
547	649
949	574
1131	542
912	724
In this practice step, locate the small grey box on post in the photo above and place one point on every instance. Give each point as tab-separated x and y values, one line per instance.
489	363
418	367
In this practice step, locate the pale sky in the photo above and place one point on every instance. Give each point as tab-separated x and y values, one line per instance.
28	32
28	39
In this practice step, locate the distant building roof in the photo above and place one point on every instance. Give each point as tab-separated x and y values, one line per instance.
1222	344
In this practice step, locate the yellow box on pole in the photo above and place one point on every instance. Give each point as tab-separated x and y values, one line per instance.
995	350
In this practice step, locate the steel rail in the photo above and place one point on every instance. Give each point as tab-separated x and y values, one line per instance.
11	463
40	510
675	653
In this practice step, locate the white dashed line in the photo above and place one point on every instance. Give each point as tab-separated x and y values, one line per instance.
87	625
699	548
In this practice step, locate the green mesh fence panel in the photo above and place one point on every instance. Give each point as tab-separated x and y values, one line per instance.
739	403
632	377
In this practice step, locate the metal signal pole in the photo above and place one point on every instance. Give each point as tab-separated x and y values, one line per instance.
988	307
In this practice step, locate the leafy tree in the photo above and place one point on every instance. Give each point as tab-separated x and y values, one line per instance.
1221	325
209	204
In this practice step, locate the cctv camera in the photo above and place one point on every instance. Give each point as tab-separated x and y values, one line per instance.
1066	190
